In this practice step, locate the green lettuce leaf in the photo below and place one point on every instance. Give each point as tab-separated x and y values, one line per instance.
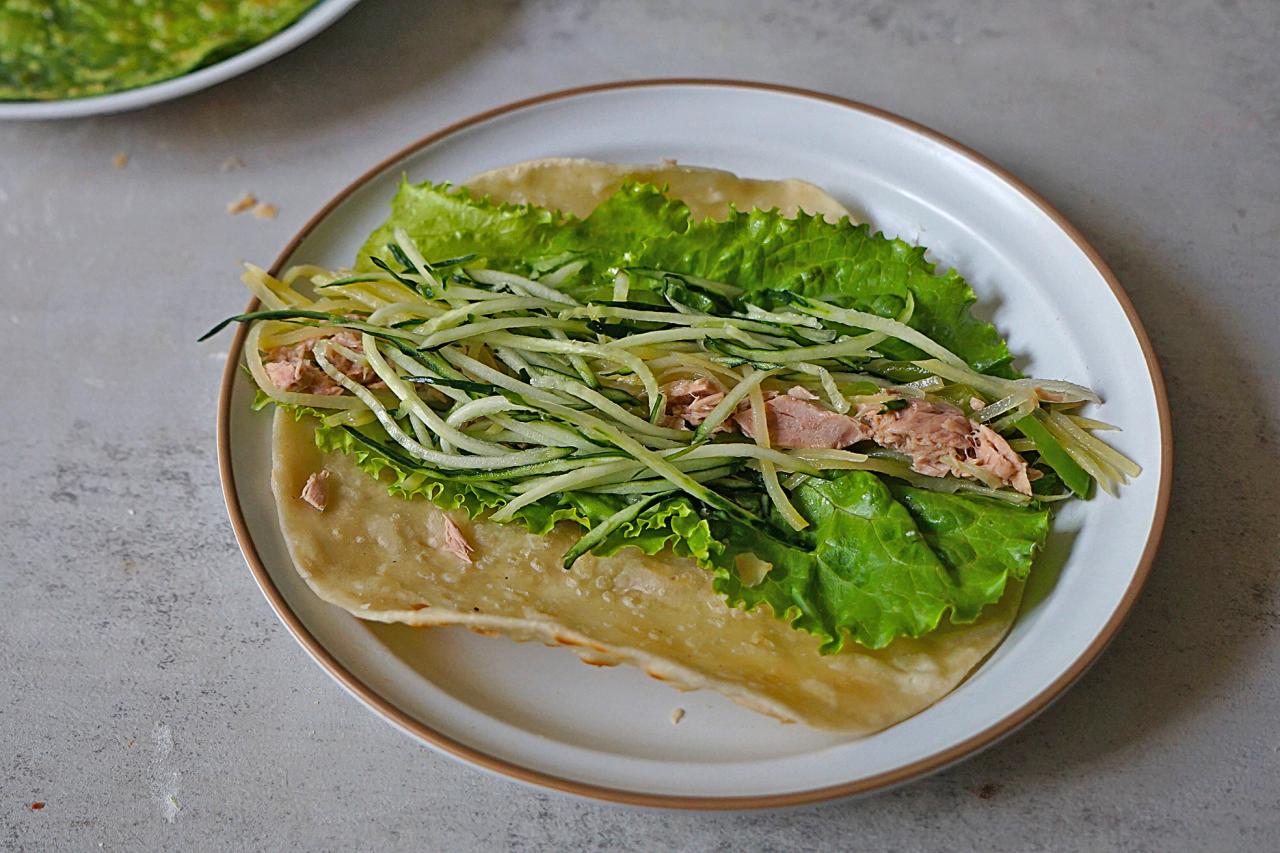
760	250
885	563
843	263
982	542
449	222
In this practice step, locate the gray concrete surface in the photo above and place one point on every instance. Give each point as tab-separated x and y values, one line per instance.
149	698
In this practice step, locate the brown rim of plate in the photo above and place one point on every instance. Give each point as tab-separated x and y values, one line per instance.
906	773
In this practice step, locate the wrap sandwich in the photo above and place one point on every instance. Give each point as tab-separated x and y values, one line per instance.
672	418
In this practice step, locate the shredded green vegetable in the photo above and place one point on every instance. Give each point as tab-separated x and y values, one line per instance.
625	399
509	344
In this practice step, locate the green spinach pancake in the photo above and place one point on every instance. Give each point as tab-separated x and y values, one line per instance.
55	49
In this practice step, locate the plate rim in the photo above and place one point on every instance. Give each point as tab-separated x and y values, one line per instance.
897	776
313	21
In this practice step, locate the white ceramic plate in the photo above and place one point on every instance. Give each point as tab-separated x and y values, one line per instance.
536	713
315	19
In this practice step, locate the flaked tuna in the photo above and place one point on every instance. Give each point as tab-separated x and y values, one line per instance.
294	368
455	542
934	435
314	492
689	401
796	421
928	432
992	453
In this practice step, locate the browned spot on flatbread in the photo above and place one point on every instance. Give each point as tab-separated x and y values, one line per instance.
573	641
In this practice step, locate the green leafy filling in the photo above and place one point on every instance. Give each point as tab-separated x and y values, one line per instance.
886	561
880	560
762	250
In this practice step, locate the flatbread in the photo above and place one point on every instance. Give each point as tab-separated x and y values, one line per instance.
384	558
576	186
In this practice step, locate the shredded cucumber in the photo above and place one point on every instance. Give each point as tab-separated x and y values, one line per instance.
768	471
524	387
416	449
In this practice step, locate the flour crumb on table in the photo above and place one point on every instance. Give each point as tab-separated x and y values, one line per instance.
241	204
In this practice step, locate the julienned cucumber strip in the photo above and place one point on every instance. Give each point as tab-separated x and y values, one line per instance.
277	314
457	384
1055	456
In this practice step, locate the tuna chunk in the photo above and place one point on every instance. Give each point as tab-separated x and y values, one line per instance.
927	432
313	492
689	401
934	433
294	368
285	375
992	453
455	542
796	421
